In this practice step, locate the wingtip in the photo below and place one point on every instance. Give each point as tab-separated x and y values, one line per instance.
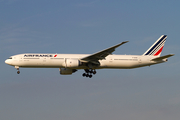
125	41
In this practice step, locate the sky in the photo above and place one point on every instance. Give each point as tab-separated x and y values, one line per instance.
86	27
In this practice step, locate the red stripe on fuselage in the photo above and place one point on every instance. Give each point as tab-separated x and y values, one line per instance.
159	51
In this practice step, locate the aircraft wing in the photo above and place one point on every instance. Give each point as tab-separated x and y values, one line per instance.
101	54
162	57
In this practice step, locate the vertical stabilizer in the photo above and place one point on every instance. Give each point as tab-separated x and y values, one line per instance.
157	47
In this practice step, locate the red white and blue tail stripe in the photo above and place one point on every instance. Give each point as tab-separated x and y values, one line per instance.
157	47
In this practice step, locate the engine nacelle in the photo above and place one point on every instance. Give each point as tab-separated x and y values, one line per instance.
71	63
66	71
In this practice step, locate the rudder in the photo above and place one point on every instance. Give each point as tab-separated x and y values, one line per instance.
157	47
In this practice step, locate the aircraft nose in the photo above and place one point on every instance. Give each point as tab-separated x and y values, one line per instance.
7	62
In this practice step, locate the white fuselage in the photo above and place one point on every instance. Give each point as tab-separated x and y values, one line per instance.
70	63
35	60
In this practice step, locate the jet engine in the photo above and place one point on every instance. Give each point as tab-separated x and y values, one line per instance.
71	63
66	71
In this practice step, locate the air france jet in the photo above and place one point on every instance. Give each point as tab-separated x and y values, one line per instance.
70	63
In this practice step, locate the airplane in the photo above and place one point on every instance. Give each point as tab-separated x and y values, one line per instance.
70	63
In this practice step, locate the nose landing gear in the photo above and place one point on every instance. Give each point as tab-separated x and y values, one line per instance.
88	73
17	67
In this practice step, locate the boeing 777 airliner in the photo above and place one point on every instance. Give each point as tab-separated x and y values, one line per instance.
70	63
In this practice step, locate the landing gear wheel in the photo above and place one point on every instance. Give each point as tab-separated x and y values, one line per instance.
86	70
87	75
91	71
90	76
84	74
17	68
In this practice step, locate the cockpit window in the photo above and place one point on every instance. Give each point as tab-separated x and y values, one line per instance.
10	58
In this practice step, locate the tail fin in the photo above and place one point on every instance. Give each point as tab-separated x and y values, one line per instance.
157	47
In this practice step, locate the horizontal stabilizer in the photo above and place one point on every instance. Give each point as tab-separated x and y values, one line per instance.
162	57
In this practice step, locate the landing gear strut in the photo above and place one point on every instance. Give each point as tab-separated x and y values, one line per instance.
17	67
88	73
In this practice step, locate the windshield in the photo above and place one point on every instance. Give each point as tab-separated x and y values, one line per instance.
10	58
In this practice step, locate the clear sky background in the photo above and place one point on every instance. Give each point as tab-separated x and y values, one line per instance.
88	26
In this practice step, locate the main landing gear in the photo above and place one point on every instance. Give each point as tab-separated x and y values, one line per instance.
88	73
17	67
